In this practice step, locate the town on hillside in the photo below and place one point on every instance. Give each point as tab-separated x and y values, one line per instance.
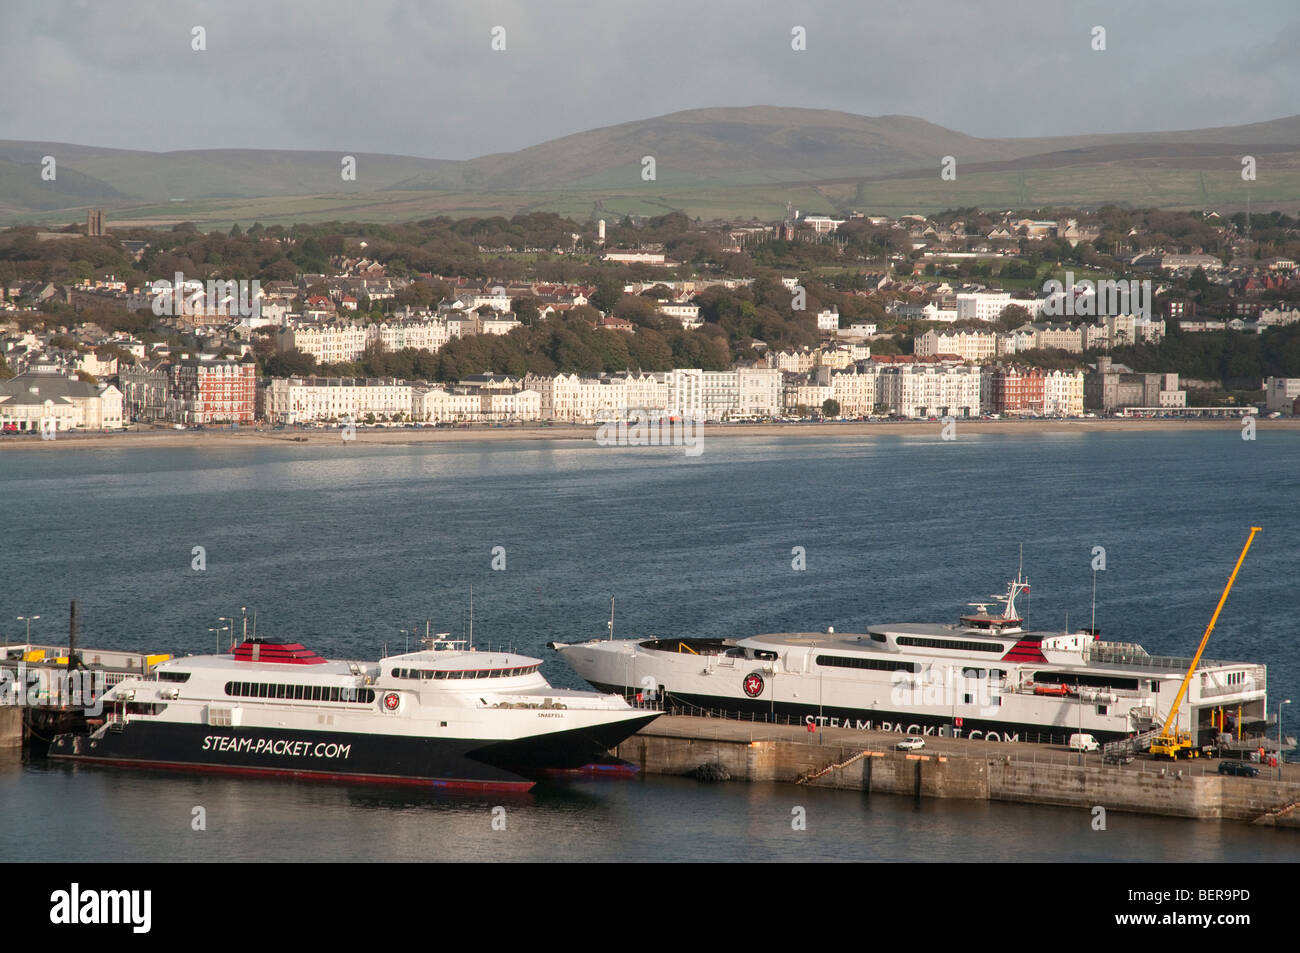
1018	313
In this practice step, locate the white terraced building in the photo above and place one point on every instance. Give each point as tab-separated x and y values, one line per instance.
45	394
973	346
719	394
422	335
334	343
328	343
293	400
857	391
982	305
930	391
758	391
651	393
1063	393
456	404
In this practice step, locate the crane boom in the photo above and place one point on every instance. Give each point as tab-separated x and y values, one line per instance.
1169	741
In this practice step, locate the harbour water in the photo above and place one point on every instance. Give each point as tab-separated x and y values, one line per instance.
344	547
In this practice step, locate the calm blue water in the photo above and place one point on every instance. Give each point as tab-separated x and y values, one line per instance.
343	547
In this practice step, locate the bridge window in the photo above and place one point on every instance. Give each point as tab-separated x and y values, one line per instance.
914	642
879	665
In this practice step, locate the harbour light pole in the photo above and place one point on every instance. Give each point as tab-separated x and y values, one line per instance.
228	628
28	619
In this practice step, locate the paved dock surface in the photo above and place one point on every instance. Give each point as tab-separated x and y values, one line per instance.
692	727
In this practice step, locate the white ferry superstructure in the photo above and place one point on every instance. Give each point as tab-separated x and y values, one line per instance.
983	677
445	716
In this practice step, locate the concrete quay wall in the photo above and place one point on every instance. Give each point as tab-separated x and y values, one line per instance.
682	747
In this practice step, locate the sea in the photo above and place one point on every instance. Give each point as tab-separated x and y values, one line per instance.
358	549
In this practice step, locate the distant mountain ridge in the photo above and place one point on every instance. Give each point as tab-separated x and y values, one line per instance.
744	148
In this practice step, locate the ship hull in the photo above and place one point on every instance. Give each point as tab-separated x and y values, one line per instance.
902	722
461	764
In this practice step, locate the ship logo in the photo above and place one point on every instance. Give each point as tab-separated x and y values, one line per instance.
753	684
392	700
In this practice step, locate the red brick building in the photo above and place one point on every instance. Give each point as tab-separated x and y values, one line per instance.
1017	390
214	391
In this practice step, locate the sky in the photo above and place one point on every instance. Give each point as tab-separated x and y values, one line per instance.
422	78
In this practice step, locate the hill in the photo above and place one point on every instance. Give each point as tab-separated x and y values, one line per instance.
712	163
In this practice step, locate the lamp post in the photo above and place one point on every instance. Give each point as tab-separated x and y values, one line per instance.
28	619
221	628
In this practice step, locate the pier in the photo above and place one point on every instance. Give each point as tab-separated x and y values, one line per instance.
867	761
47	689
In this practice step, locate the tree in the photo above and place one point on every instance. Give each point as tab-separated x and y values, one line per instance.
830	407
293	363
1012	317
608	291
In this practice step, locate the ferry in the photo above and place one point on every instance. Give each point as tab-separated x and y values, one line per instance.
985	676
445	716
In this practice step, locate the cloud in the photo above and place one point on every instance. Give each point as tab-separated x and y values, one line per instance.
409	77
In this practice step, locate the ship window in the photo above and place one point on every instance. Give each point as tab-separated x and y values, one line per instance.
165	676
439	674
1101	709
973	672
879	665
950	644
1155	685
997	673
877	637
764	655
334	694
966	699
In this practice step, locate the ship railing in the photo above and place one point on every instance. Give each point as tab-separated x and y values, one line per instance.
1213	686
1130	745
1134	656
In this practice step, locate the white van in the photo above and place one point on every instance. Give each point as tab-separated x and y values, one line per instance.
1084	743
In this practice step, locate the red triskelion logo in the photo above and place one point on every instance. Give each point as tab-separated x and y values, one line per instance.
392	700
753	684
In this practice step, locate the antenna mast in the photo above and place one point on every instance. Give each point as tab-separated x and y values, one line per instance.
611	618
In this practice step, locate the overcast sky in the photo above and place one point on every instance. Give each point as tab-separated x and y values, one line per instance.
420	78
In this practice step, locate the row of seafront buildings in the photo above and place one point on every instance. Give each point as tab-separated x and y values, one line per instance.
976	345
899	387
226	390
218	391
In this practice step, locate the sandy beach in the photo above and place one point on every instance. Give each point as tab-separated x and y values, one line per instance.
251	436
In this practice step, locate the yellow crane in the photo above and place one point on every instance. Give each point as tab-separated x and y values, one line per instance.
1170	743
